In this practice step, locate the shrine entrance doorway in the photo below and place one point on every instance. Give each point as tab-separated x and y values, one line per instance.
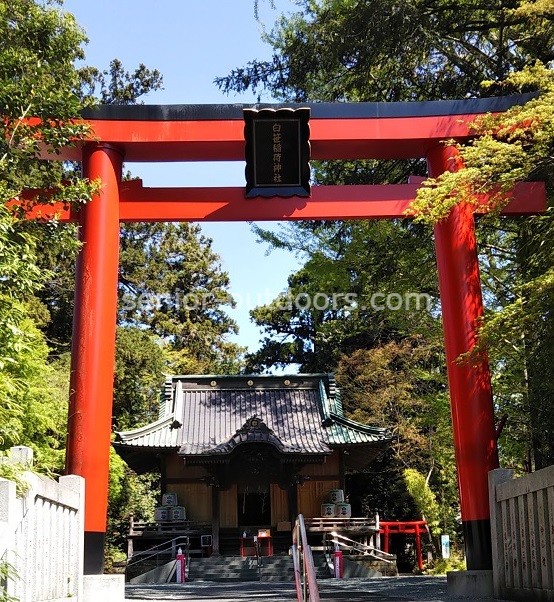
254	506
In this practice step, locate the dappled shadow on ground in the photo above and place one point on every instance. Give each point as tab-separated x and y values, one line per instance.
386	589
428	589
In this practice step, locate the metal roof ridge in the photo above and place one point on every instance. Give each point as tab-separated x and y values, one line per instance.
285	442
283	446
325	405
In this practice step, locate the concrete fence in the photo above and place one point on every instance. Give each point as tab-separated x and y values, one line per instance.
41	536
522	522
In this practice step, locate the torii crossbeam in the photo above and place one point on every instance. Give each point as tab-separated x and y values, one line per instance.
216	133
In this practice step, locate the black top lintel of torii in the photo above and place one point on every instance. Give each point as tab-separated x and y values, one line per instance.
318	110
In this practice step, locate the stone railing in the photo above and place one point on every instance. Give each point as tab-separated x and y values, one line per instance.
41	535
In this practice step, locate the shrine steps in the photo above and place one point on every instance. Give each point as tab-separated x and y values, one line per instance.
235	568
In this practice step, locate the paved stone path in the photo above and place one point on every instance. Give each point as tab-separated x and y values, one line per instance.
388	589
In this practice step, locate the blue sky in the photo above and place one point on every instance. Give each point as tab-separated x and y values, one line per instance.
191	42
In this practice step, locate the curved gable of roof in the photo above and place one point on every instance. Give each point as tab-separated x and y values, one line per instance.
254	430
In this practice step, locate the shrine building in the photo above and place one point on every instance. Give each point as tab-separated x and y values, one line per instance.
243	453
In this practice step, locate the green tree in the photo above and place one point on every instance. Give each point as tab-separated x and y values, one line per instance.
375	50
129	494
401	385
38	44
39	96
389	386
33	393
59	245
425	498
117	86
334	304
172	283
140	369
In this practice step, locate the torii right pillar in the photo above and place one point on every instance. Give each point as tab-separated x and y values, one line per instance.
469	382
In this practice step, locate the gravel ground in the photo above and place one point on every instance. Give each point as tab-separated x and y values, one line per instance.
388	589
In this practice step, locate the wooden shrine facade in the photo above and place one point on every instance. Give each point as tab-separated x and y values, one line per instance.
250	452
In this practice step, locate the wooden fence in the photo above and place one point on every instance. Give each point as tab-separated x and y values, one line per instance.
522	523
41	538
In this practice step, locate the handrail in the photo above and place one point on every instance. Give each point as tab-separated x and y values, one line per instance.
355	546
259	562
136	527
187	558
304	572
322	523
183	539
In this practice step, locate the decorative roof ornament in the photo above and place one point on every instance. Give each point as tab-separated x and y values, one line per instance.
254	424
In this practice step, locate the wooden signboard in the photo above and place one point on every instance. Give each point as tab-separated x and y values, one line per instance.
277	152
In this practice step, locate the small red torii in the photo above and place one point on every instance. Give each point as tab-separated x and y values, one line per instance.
413	527
343	131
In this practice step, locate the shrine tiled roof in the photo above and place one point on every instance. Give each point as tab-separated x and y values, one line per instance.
209	416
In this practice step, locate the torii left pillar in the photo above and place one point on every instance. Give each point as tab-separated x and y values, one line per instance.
93	346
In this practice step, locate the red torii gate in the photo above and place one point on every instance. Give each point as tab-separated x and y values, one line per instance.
216	133
412	527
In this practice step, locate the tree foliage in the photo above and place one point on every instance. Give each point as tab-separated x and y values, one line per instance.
335	303
400	385
506	149
39	96
389	386
424	497
140	369
33	395
172	283
117	86
375	50
129	494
